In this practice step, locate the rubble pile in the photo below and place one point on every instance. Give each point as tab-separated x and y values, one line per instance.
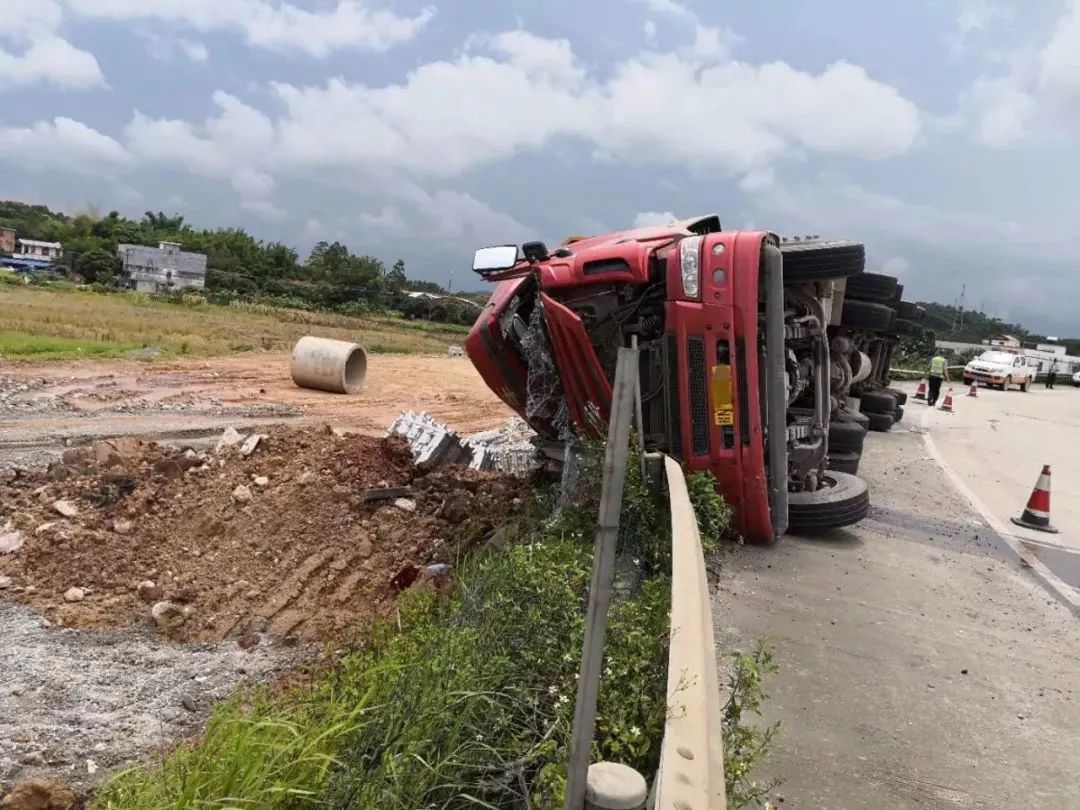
509	449
294	533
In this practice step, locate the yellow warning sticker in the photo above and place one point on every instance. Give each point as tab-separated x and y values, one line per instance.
723	414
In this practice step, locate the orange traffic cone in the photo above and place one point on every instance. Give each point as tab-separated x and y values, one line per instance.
974	391
946	404
921	393
1037	512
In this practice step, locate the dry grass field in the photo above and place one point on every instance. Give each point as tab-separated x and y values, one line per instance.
42	323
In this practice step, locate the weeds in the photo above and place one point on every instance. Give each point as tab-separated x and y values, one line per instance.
713	512
466	700
745	743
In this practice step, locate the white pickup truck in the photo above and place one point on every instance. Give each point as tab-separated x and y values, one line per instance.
1001	368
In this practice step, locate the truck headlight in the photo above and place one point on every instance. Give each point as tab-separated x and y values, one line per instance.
690	262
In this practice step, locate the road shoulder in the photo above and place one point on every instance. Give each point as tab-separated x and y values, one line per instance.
920	666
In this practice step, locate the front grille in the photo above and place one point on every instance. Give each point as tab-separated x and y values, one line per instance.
671	366
699	398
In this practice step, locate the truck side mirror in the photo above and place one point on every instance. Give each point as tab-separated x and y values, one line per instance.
493	259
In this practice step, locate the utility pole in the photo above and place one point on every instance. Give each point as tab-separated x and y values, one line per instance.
450	286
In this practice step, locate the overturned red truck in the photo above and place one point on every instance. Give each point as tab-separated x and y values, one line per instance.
735	369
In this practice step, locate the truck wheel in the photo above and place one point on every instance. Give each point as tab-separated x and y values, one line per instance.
909	311
881	422
1005	385
843	462
866	315
846	437
1024	385
899	396
851	416
842	500
871	287
816	260
877	402
902	326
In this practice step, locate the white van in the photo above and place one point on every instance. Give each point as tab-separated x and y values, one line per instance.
1001	368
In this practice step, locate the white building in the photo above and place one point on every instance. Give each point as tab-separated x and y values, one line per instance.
33	249
163	268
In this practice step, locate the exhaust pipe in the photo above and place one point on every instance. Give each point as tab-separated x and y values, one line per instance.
775	388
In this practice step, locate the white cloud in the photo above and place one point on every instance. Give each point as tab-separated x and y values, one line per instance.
453	216
649	30
713	43
273	24
167	47
646	218
1059	60
974	17
195	51
24	19
38	54
62	144
51	60
387	222
1004	111
730	115
264	209
672	7
1038	93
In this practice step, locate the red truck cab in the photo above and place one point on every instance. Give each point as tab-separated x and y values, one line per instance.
721	342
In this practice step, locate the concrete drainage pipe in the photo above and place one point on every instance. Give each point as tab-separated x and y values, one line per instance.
328	365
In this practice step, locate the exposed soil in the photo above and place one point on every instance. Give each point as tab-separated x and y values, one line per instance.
45	406
280	542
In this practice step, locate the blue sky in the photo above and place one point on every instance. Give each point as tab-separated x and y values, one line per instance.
942	134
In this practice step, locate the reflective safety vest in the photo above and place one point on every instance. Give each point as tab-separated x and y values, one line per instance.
937	366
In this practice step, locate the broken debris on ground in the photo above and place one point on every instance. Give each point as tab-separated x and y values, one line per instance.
285	541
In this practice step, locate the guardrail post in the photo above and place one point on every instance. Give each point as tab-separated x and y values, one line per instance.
607	531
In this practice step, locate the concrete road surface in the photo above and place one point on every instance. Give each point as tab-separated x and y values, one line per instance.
922	666
997	444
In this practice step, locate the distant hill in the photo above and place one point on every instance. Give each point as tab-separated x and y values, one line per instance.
975	327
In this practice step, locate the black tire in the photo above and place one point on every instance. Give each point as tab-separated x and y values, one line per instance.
817	259
898	295
851	416
844	462
1024	386
909	311
867	315
898	415
877	402
871	287
846	437
902	326
881	422
843	500
899	396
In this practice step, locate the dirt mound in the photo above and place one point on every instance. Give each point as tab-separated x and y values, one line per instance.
39	794
290	540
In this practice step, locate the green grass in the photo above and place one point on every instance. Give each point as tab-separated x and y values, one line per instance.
34	316
465	701
24	346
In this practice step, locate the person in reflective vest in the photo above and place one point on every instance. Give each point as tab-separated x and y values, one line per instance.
938	371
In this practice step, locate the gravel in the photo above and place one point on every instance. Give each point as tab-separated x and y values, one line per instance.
72	695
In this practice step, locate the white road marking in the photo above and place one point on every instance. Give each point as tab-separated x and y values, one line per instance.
1049	580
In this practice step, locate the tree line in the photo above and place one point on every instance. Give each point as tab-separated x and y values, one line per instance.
239	266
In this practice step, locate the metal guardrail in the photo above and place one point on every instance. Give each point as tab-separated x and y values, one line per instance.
691	774
691	771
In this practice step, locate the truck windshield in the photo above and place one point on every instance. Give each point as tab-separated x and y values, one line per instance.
997	357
